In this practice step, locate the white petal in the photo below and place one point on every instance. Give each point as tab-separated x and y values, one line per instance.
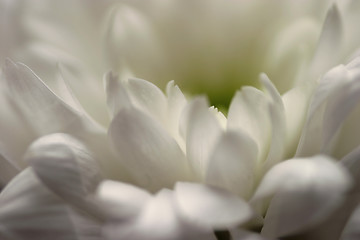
176	105
211	206
28	210
249	112
117	97
309	188
151	155
147	97
335	98
93	100
121	200
159	220
65	166
202	133
136	93
296	103
35	111
328	50
278	123
232	163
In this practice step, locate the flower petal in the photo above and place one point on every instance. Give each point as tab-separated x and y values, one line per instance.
211	206
176	105
232	163
309	188
278	123
249	112
28	210
203	130
151	155
331	38
117	97
65	166
335	98
137	93
159	220
36	111
121	200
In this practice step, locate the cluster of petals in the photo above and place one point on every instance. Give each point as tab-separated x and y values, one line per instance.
172	167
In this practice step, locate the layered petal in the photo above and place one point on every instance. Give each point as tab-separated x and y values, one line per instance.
211	207
36	111
306	191
151	155
158	220
334	100
232	164
28	210
202	133
121	201
65	166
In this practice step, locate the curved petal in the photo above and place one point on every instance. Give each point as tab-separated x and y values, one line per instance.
278	123
151	155
117	97
159	220
335	98
121	200
65	166
28	210
249	112
232	163
332	36
211	206
261	115
310	189
35	111
202	133
176	105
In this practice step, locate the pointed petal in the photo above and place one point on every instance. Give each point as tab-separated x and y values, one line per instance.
249	112
232	163
36	111
151	155
211	206
328	50
309	188
202	133
335	98
117	97
278	123
77	76
65	166
30	211
137	93
176	104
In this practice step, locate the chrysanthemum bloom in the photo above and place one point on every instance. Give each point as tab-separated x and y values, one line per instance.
285	165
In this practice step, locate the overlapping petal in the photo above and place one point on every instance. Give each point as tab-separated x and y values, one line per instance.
30	211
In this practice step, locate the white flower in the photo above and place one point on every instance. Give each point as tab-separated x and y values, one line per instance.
170	168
